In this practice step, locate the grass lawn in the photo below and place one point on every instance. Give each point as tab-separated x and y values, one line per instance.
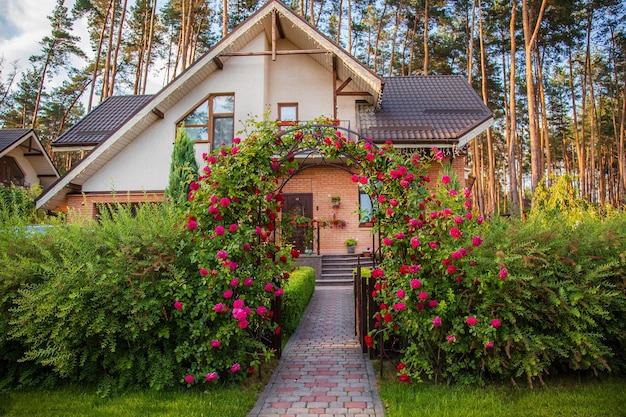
562	398
78	402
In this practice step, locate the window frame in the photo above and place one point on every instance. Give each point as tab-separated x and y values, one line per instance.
363	220
210	124
282	106
9	164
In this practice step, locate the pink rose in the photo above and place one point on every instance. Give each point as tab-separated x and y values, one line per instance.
192	224
415	284
215	343
204	272
471	320
211	376
445	179
227	294
235	368
178	305
423	296
261	310
400	293
496	323
437	321
189	379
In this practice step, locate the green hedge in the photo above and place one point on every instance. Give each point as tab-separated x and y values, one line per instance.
298	292
89	303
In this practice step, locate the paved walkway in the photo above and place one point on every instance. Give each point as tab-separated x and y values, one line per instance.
322	371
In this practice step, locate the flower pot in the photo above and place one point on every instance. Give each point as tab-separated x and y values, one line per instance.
351	249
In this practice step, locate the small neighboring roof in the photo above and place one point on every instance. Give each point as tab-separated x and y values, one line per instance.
9	136
32	150
103	121
437	109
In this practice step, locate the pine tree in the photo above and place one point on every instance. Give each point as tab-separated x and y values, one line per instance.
183	168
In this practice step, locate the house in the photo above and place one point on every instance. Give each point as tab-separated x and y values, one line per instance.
23	160
273	65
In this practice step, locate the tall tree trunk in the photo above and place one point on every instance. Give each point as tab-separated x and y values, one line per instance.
491	180
312	12
339	19
109	52
44	71
529	43
98	54
592	104
224	18
302	8
470	46
515	203
381	23
413	32
148	55
543	112
117	48
425	70
578	139
393	40
349	26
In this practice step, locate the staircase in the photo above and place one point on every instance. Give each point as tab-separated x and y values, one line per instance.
338	269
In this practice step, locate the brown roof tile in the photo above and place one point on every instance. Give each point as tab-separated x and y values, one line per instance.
430	109
9	136
102	121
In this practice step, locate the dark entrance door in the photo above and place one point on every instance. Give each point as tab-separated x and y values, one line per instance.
296	230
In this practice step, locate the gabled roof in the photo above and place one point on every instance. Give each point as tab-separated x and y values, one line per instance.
9	137
291	26
103	121
441	109
33	151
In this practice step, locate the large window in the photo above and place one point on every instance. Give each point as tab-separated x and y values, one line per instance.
10	173
213	121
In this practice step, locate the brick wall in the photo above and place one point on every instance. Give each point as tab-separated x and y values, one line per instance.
83	206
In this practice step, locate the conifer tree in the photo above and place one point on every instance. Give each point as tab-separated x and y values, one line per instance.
183	168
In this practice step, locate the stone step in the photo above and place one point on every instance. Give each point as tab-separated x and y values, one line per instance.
339	269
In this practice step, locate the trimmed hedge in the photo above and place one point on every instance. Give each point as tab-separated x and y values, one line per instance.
298	292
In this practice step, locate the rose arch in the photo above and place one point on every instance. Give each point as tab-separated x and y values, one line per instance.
226	304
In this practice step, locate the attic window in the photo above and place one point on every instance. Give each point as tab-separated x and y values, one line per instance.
213	121
10	172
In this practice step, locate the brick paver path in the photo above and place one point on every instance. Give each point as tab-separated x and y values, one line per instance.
322	371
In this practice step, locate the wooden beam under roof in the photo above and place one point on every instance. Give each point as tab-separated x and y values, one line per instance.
278	52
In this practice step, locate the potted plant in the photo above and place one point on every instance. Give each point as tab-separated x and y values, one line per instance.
336	200
350	243
367	252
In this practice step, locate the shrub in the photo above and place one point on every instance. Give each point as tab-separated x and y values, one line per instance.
298	291
464	301
92	306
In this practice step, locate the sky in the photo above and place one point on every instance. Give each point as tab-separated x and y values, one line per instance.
23	23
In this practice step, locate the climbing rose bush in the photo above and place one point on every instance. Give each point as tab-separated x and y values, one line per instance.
427	282
225	304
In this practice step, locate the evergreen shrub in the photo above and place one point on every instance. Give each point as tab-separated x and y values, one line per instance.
298	292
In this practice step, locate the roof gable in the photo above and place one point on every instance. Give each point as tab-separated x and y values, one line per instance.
9	137
288	25
32	151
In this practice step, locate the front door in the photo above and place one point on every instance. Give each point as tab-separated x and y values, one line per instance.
297	216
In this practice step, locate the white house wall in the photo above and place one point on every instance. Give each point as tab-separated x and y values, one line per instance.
257	82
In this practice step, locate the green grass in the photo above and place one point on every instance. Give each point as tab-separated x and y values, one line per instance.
78	402
562	398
